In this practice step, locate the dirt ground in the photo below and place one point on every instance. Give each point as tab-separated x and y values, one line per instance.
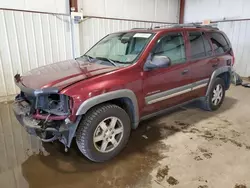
187	148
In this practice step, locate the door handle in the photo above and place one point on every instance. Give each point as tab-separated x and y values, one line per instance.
184	71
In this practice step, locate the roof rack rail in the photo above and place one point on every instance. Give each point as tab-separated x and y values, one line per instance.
163	26
139	28
194	25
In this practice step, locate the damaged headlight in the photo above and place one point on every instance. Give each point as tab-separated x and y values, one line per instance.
55	104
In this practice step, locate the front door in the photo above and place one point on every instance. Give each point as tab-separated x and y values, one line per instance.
167	86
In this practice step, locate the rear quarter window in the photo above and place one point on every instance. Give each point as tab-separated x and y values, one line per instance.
219	43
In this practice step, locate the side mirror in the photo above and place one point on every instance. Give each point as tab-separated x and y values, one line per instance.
158	62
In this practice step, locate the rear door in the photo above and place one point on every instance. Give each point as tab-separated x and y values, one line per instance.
201	61
168	86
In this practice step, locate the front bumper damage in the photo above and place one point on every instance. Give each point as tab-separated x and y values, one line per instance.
64	132
45	113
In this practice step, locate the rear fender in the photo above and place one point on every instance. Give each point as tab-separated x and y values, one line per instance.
216	74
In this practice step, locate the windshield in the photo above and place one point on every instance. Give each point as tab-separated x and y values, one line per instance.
120	47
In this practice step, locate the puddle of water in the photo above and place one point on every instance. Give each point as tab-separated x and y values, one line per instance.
22	164
61	169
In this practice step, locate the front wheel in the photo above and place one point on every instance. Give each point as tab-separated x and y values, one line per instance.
215	97
103	132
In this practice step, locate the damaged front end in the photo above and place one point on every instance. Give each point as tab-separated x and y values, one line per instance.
46	113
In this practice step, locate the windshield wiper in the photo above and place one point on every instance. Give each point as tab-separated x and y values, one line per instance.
107	59
122	62
88	56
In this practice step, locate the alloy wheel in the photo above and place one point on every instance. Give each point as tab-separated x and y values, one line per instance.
108	134
217	94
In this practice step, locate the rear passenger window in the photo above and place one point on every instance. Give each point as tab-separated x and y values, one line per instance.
172	46
219	43
197	45
208	47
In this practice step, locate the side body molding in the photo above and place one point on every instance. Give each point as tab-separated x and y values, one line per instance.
216	73
123	93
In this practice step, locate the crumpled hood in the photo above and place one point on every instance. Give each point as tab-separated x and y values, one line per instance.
62	74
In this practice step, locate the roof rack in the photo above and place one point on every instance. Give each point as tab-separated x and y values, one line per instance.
164	26
139	28
192	25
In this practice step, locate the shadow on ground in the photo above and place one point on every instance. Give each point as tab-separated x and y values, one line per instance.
130	167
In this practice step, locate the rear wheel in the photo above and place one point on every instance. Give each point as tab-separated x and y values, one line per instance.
215	97
103	132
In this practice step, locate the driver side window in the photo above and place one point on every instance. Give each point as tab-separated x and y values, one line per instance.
172	46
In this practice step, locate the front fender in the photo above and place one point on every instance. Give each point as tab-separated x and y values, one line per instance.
105	97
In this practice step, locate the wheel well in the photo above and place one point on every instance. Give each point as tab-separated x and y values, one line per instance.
124	103
226	77
127	105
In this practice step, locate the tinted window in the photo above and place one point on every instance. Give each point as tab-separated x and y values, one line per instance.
173	47
208	47
219	43
197	45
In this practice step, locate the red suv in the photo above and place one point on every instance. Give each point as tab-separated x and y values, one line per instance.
126	77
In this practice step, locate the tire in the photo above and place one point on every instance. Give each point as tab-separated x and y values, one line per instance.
208	103
92	127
